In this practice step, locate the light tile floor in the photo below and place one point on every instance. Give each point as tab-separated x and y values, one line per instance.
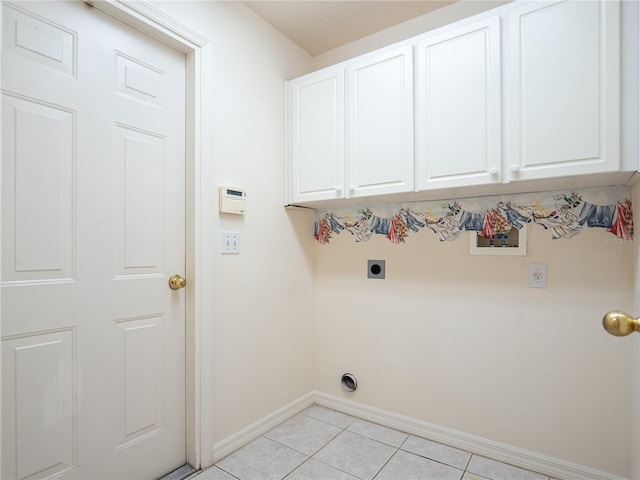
322	444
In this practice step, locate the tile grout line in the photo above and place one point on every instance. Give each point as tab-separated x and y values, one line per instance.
385	463
346	429
223	470
327	422
468	463
342	430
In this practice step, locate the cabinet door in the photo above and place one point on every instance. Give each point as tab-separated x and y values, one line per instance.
380	123
316	123
563	89
459	106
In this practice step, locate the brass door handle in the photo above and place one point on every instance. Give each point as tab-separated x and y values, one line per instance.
620	324
177	282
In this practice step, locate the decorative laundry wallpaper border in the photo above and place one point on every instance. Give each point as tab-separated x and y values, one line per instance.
563	214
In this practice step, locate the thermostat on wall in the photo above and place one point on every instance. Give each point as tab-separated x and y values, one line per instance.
232	200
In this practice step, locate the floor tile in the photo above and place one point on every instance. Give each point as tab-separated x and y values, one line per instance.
262	459
405	466
378	432
349	448
473	476
437	451
330	416
213	473
302	433
500	471
315	470
355	454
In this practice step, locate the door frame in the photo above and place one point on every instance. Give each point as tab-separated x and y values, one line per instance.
197	48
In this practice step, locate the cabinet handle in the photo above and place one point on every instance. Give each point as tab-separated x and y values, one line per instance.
493	171
338	189
515	168
352	188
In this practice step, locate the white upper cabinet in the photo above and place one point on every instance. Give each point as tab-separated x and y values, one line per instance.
563	91
353	145
316	129
458	127
528	92
380	153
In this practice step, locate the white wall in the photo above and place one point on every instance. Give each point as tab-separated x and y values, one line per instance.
262	325
460	341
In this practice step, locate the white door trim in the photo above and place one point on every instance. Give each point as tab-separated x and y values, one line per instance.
199	206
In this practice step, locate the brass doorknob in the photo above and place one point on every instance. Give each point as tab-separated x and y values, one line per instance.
177	282
620	324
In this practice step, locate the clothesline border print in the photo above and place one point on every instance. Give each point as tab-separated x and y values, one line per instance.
565	218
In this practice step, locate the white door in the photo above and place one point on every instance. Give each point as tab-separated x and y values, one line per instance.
380	153
93	224
316	121
563	91
458	130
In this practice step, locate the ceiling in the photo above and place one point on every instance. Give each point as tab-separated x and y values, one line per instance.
321	25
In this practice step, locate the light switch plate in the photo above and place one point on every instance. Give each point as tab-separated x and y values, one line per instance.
230	242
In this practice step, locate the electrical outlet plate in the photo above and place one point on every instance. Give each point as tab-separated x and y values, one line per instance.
230	242
538	275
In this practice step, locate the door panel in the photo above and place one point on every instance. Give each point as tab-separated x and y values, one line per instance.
38	196
138	80
45	442
93	225
39	41
139	159
140	377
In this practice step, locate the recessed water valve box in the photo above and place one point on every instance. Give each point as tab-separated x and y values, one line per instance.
513	242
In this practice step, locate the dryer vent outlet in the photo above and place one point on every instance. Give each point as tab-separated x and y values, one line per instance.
375	269
349	382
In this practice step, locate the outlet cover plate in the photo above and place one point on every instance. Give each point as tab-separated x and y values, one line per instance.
537	275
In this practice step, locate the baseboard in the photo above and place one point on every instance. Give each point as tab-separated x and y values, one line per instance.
536	462
239	439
